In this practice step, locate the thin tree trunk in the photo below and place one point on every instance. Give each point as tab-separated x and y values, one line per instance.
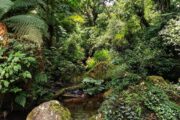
163	5
144	21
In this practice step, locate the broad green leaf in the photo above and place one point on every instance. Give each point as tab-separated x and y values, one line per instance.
21	100
16	90
6	83
17	68
27	74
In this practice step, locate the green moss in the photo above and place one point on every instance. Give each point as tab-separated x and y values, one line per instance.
96	117
31	115
157	80
52	106
59	109
102	55
61	91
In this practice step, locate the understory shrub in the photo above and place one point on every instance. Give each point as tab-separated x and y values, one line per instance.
16	73
20	76
140	101
157	101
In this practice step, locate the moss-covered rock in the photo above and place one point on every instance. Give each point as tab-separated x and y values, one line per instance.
99	71
51	110
96	117
150	99
158	81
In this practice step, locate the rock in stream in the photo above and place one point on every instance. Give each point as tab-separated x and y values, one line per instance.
51	110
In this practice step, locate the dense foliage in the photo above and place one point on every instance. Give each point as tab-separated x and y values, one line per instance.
122	46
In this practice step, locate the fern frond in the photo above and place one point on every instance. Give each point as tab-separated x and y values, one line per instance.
5	5
18	4
20	21
28	27
34	35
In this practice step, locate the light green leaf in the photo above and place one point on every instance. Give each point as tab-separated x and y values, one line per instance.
6	83
27	74
17	68
16	90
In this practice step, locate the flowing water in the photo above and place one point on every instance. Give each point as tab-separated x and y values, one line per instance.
84	109
80	108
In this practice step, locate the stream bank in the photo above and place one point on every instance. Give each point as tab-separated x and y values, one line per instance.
84	108
81	108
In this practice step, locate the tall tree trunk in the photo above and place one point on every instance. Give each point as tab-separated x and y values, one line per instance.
95	15
51	36
51	23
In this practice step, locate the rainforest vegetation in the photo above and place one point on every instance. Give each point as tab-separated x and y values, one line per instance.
124	52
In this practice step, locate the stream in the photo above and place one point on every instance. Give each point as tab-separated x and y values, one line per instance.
84	109
80	108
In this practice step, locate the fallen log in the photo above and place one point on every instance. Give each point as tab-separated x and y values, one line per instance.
63	90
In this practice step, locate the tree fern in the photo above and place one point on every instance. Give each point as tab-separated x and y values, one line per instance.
26	3
27	26
20	21
34	35
5	5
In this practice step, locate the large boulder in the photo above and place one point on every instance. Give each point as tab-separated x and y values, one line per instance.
158	81
51	110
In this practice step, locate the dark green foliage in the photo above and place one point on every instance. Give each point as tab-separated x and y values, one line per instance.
20	77
120	112
16	73
113	45
138	99
61	65
158	101
92	86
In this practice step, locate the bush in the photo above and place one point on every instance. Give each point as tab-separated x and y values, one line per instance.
93	86
113	110
102	55
16	74
140	102
158	101
170	34
90	63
